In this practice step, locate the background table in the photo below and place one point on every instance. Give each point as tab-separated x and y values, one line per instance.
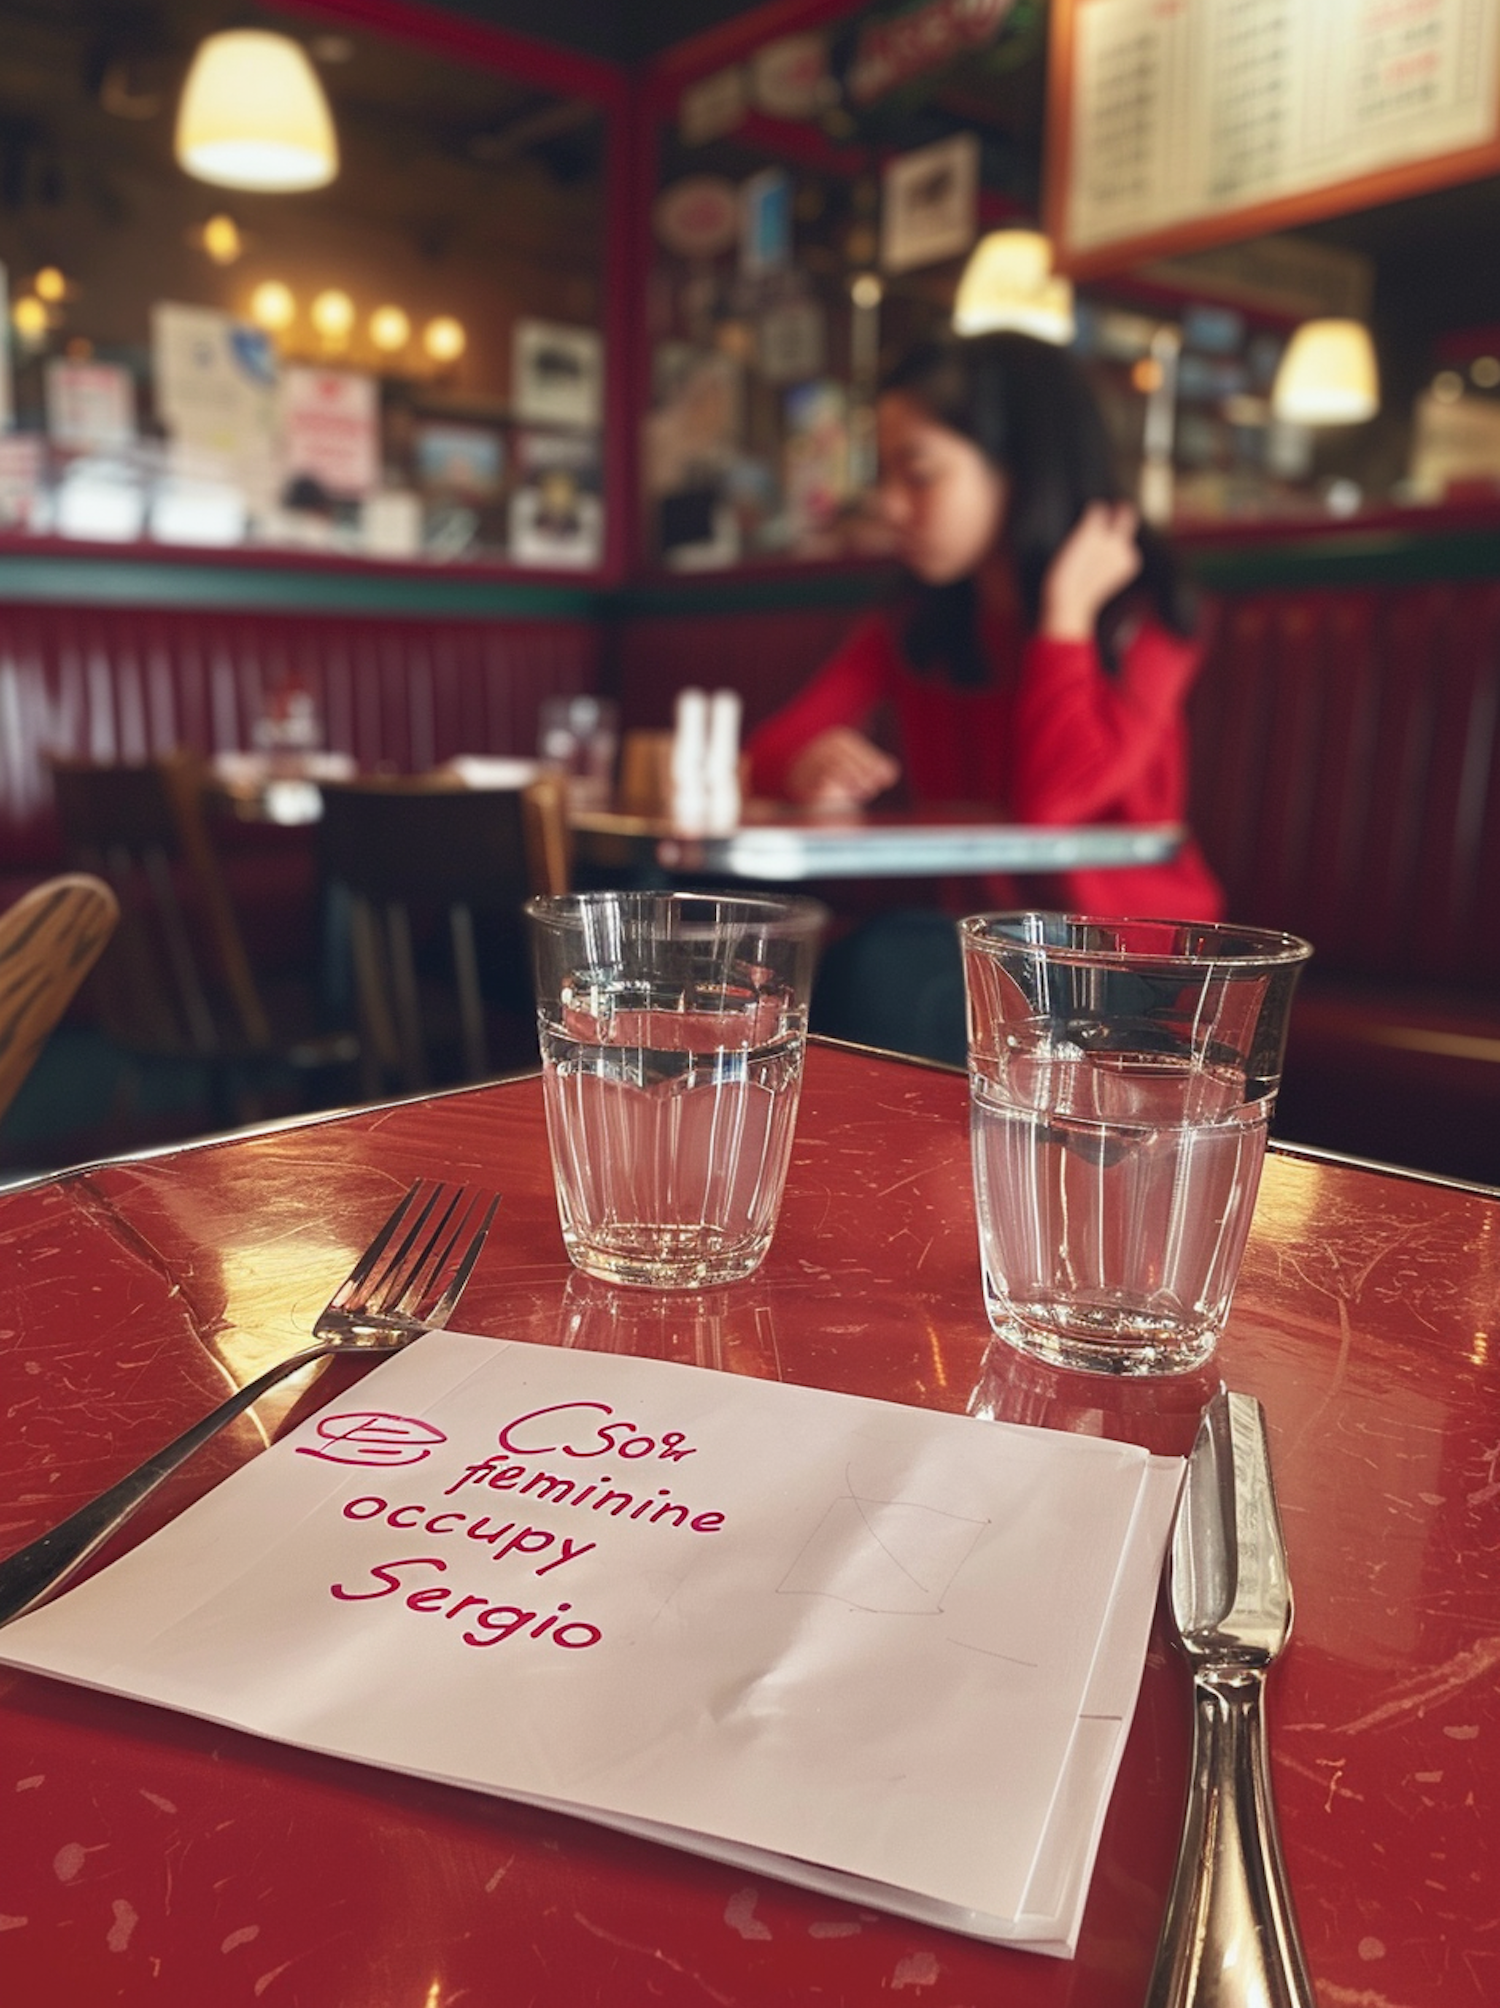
145	1857
779	845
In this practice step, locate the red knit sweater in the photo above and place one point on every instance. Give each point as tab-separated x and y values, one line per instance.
1051	738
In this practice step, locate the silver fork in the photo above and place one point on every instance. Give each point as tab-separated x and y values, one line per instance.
406	1283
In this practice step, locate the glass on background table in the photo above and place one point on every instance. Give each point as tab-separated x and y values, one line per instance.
151	1857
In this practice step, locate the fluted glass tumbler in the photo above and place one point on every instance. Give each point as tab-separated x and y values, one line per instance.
1121	1077
673	1028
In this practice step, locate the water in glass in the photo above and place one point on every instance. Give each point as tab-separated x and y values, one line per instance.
1115	1193
670	1122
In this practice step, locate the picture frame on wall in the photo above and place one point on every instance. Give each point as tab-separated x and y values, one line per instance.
463	460
766	222
929	207
556	516
557	374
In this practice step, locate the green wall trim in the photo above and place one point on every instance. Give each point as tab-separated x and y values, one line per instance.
1369	558
1353	558
745	593
92	581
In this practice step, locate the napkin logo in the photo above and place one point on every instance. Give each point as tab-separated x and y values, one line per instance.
368	1436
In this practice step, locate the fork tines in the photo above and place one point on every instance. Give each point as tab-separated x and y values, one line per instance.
407	1280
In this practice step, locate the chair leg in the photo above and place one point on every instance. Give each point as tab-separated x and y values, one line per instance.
404	989
195	1008
379	1049
470	1004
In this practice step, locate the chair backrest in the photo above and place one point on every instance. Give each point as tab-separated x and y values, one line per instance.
408	851
645	773
178	977
49	940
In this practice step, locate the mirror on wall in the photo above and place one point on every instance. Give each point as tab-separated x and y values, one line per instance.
393	353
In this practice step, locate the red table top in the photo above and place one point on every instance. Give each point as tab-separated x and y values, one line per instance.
145	1856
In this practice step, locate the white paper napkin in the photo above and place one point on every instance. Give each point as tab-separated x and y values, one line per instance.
887	1653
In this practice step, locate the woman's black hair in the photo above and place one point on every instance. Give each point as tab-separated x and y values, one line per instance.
1029	409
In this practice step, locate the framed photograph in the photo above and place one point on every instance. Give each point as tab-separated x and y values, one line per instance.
930	204
556	516
463	460
792	341
90	406
557	374
766	222
331	421
698	216
816	453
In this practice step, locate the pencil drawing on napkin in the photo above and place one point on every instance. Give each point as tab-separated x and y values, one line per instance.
883	1555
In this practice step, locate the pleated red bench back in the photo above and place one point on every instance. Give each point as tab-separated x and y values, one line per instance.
1346	773
400	694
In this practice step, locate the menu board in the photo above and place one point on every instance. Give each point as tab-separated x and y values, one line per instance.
1181	123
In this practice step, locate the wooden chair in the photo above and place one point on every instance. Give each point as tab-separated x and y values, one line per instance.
49	940
421	858
177	983
645	773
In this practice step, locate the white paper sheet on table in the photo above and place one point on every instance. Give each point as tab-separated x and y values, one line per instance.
886	1653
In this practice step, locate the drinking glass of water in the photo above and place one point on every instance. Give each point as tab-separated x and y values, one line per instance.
578	736
673	1028
1121	1077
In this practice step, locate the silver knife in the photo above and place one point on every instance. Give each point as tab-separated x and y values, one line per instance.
1230	1935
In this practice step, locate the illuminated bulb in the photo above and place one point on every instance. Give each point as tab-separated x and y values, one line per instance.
390	329
253	115
29	317
332	314
866	291
1009	283
221	239
50	285
1328	375
444	339
272	306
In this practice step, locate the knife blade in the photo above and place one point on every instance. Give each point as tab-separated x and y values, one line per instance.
1230	1935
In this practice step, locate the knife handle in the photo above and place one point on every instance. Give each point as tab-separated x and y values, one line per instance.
1230	1934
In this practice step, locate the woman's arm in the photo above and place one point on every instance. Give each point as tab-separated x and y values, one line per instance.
812	750
1085	739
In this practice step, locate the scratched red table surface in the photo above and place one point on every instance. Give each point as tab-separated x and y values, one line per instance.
146	1857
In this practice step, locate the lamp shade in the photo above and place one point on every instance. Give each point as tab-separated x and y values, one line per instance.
253	115
1327	376
1009	283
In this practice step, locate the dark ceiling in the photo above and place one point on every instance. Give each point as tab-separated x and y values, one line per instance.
622	30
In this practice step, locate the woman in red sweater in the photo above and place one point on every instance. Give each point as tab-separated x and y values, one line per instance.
1039	664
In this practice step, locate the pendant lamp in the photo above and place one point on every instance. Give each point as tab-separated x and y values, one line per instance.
1327	376
1009	283
253	115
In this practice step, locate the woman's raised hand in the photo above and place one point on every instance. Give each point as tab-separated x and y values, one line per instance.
1099	558
840	769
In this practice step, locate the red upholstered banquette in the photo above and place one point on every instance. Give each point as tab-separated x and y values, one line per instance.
1346	763
1346	786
